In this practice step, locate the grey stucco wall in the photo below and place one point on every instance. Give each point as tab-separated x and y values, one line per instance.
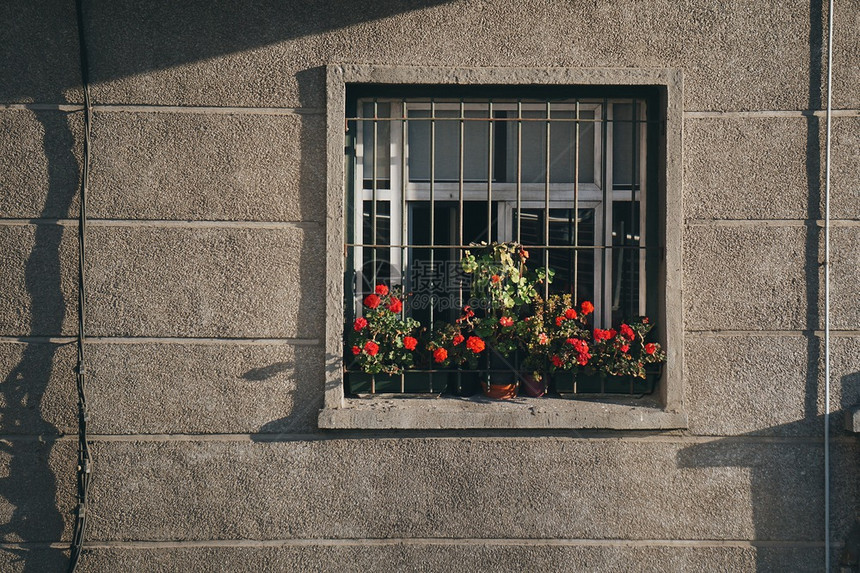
206	303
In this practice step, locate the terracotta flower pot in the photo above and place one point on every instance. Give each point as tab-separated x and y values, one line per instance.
499	391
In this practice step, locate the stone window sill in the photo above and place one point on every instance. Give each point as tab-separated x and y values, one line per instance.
408	413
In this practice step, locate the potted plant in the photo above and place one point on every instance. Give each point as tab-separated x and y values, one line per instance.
624	359
382	342
456	346
559	342
504	289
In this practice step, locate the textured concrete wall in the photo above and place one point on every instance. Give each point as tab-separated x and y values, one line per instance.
205	298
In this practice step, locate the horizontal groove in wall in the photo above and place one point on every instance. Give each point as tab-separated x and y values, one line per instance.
429	541
771	222
140	108
166	223
505	435
67	107
163	340
774	333
233	110
591	436
770	113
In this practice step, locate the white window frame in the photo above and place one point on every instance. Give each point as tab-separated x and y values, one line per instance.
590	194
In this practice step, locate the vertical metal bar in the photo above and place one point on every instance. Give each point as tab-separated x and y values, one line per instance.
519	169
606	310
460	178
490	134
404	177
461	170
546	201
575	292
374	185
633	256
432	210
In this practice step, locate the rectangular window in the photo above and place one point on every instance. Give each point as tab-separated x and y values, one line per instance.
569	178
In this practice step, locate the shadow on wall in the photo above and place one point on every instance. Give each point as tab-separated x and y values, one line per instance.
793	511
30	485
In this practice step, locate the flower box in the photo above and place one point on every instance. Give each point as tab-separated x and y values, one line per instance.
567	382
411	382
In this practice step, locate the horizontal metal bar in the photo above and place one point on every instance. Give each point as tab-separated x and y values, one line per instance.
506	119
527	247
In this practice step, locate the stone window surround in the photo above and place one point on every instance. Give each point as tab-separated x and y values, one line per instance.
664	410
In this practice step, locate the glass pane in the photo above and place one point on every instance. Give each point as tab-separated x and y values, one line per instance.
625	261
574	268
438	282
375	261
562	146
383	145
624	163
447	166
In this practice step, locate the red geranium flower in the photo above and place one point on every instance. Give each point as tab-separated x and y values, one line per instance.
506	321
625	347
458	339
556	361
627	332
578	344
570	314
583	358
543	339
559	320
372	301
371	348
612	333
356	350
381	289
586	307
495	278
475	344
409	343
395	305
440	355
600	334
650	348
360	323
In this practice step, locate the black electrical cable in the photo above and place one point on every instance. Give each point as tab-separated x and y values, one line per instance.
84	459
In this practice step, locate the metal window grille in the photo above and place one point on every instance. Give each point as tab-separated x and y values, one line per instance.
567	178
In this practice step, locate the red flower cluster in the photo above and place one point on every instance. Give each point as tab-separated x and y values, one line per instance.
556	361
581	347
381	289
586	307
372	301
559	320
458	339
360	324
600	334
371	348
409	343
506	321
395	305
356	350
651	348
570	314
440	355
627	332
495	278
475	344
